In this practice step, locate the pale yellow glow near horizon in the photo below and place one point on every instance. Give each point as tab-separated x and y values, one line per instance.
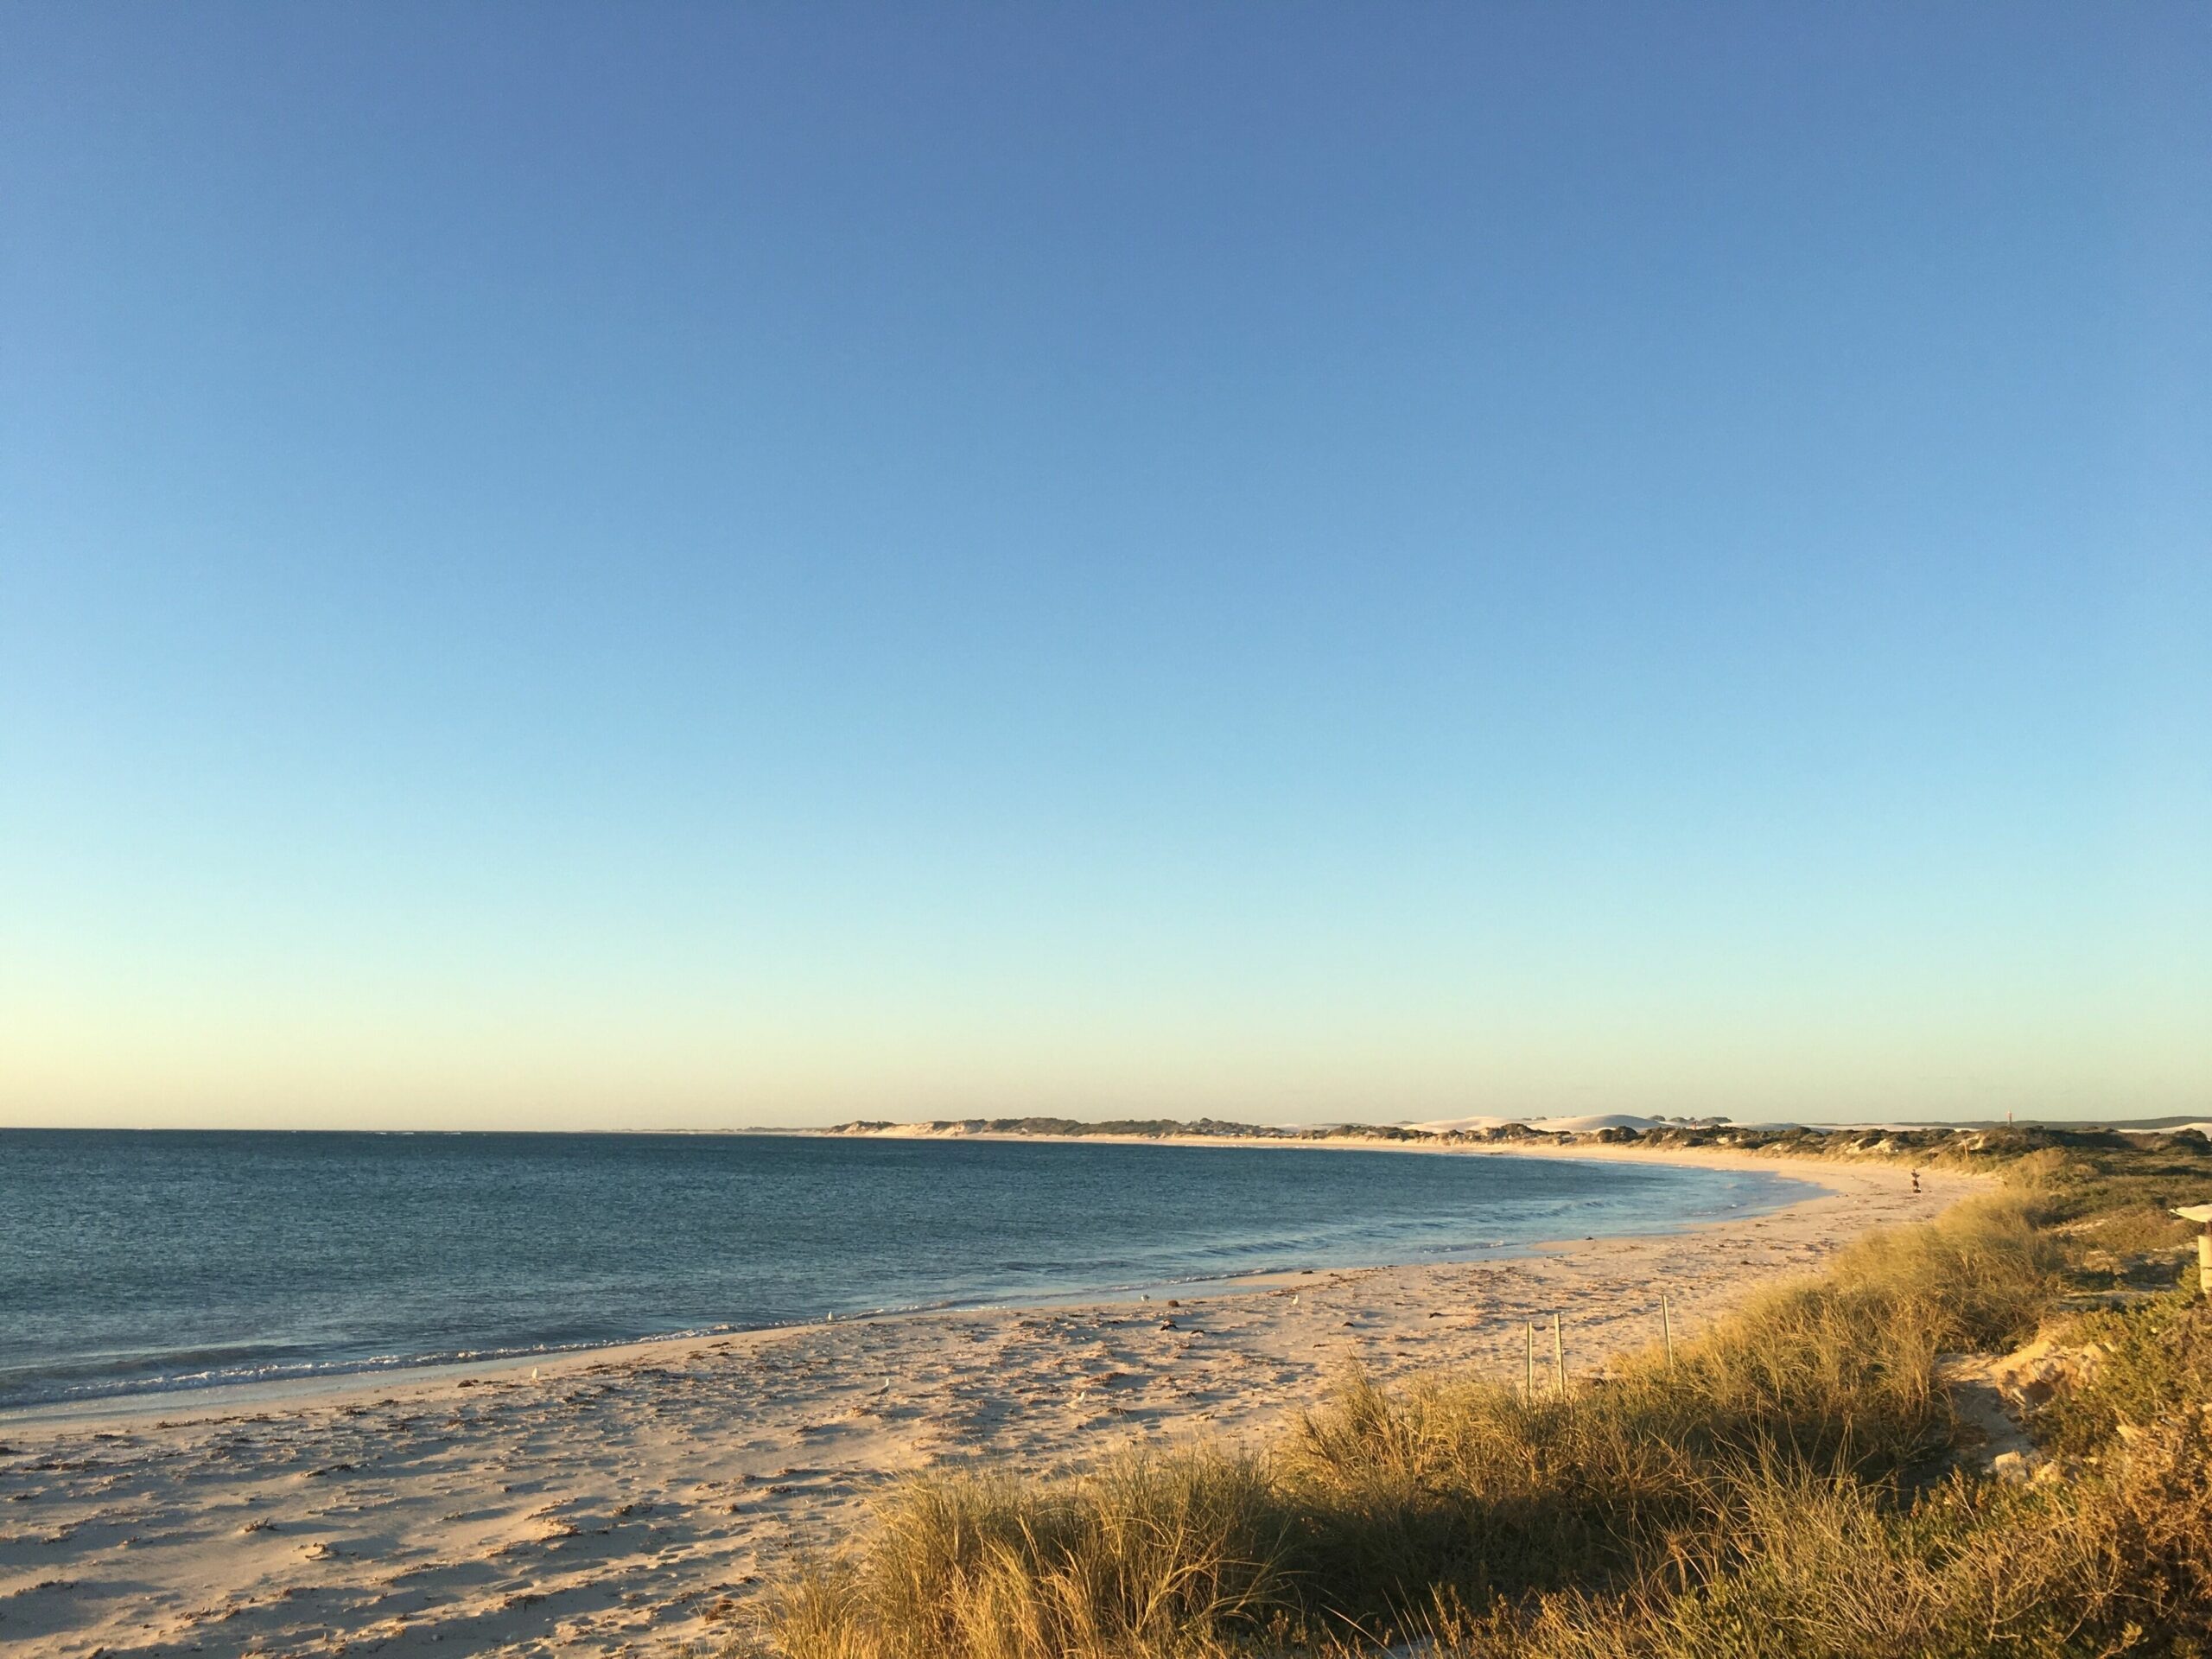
508	1074
494	1018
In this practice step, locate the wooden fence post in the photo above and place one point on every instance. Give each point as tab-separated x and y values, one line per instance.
2202	1215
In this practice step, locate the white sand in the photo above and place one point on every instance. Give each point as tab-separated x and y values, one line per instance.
628	1500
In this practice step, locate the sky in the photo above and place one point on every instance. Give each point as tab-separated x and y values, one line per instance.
664	566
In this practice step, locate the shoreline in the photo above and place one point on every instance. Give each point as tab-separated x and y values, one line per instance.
191	1401
623	1499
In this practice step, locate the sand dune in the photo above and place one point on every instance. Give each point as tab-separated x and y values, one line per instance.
1586	1125
629	1500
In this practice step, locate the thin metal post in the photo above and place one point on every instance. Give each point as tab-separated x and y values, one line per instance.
1559	1356
1667	1330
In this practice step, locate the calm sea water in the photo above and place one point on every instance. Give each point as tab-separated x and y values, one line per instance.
133	1262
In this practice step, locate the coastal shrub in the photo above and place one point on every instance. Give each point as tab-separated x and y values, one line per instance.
2129	1188
2149	1362
2117	1562
2132	1230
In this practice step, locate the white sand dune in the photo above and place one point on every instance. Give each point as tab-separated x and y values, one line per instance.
1547	1125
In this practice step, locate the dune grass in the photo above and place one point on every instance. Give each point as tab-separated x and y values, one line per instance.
1783	1488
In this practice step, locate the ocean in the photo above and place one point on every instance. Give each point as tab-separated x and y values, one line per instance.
133	1262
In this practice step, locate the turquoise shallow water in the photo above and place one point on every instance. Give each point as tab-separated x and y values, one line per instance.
132	1261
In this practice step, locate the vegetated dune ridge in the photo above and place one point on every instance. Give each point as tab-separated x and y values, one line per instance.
619	1499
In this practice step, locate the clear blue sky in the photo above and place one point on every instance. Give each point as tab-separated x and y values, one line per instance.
650	565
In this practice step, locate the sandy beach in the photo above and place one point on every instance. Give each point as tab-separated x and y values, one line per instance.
629	1500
